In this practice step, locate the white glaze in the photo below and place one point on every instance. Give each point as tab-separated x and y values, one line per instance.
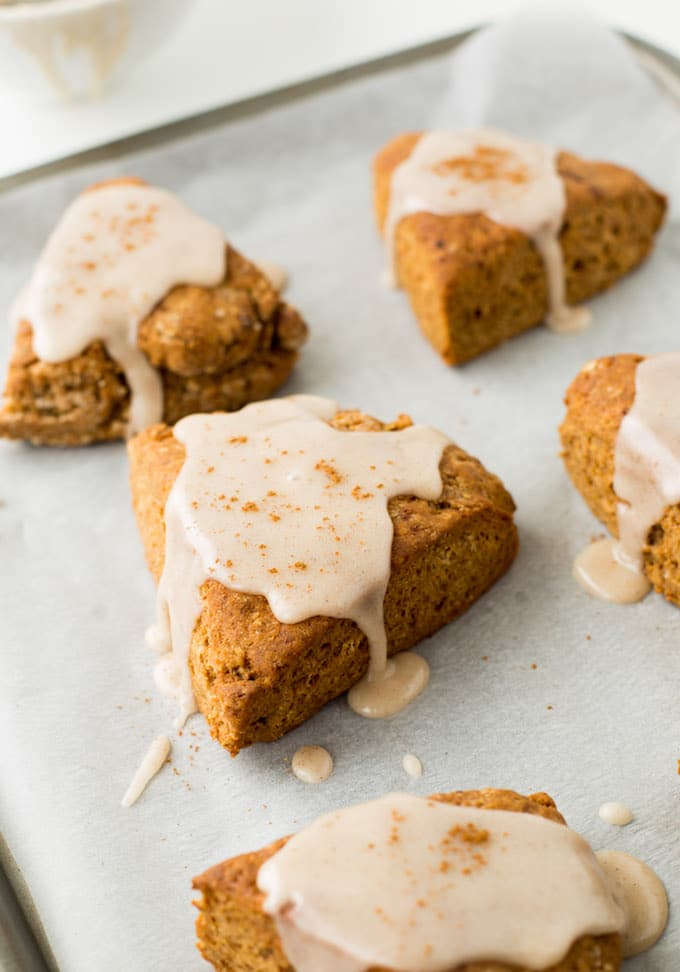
272	500
404	677
599	571
168	676
509	179
642	896
616	814
154	759
101	34
647	455
412	766
410	884
646	482
312	764
116	252
154	638
274	273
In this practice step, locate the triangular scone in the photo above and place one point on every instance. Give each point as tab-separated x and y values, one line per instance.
118	262
236	935
216	348
474	283
255	678
597	401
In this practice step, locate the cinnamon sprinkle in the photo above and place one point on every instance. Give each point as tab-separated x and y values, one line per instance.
333	475
485	164
470	834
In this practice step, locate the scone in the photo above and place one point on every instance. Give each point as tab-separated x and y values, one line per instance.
522	232
139	311
261	665
621	449
236	933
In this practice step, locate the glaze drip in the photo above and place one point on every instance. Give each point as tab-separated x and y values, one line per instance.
155	757
509	179
600	571
116	252
273	500
312	764
405	676
646	482
642	896
616	814
647	456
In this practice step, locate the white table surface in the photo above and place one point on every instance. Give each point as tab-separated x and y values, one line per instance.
229	50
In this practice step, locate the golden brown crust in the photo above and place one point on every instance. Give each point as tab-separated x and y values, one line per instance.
255	678
215	348
474	283
236	935
116	181
597	401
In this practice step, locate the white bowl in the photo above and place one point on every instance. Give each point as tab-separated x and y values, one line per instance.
73	47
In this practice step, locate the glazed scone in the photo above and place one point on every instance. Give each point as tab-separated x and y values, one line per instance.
474	283
212	347
597	401
255	678
235	934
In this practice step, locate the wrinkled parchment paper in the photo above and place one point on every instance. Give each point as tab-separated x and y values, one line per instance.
596	719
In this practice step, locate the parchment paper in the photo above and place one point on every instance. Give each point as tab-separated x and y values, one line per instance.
595	720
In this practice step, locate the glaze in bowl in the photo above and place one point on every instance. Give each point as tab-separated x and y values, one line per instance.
73	48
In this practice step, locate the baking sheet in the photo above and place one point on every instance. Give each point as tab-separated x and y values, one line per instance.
77	703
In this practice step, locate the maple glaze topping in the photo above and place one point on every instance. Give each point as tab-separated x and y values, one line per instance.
647	455
616	814
412	766
646	482
312	764
509	179
155	757
405	676
273	500
117	251
418	885
600	571
642	896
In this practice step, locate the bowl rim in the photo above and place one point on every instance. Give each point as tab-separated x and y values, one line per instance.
43	10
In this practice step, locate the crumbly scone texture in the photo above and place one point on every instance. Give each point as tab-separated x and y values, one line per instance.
597	401
215	348
236	935
255	678
473	283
